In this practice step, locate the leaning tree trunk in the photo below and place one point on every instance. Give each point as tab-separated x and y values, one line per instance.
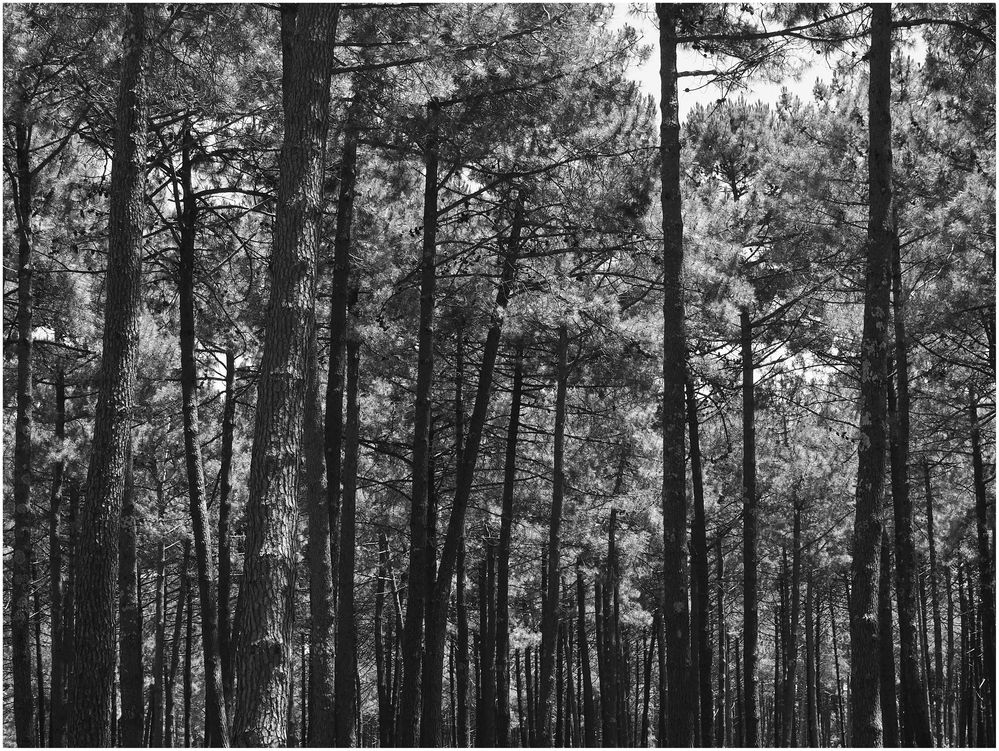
503	557
916	728
549	608
92	689
865	714
416	606
674	490
430	731
264	619
216	718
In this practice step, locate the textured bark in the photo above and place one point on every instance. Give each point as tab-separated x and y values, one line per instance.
433	683
986	574
159	629
419	590
723	737
188	673
39	675
225	550
549	612
216	717
92	689
321	731
169	732
865	710
346	627
20	606
938	671
485	719
130	614
889	707
791	641
750	532
913	695
589	712
811	646
503	557
674	492
701	616
264	619
383	665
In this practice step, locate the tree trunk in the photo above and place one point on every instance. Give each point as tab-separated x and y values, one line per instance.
865	719
840	713
321	731
216	718
383	666
433	683
57	688
485	734
791	643
549	614
67	637
159	629
178	624
308	36
39	676
225	508
589	712
674	499
986	574
20	606
723	737
503	562
188	673
889	707
938	674
811	689
130	631
701	619
346	627
462	661
92	689
949	698
410	700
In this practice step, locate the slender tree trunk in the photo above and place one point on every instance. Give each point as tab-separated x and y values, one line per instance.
216	718
57	688
521	726
67	635
531	727
865	719
723	736
308	36
678	657
20	606
791	643
92	689
485	720
410	700
225	509
322	729
130	631
383	667
811	689
840	713
462	661
346	628
549	615
889	707
701	619
589	711
433	683
938	681
503	562
740	696
159	630
39	676
949	697
178	624
188	673
986	573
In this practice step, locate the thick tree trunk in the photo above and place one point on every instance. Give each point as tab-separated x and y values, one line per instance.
225	509
346	627
20	605
130	614
701	618
178	625
916	729
889	707
419	591
865	714
549	614
503	557
216	718
986	574
92	689
433	683
321	731
265	618
674	491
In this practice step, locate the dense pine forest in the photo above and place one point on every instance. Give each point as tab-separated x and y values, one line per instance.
428	375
